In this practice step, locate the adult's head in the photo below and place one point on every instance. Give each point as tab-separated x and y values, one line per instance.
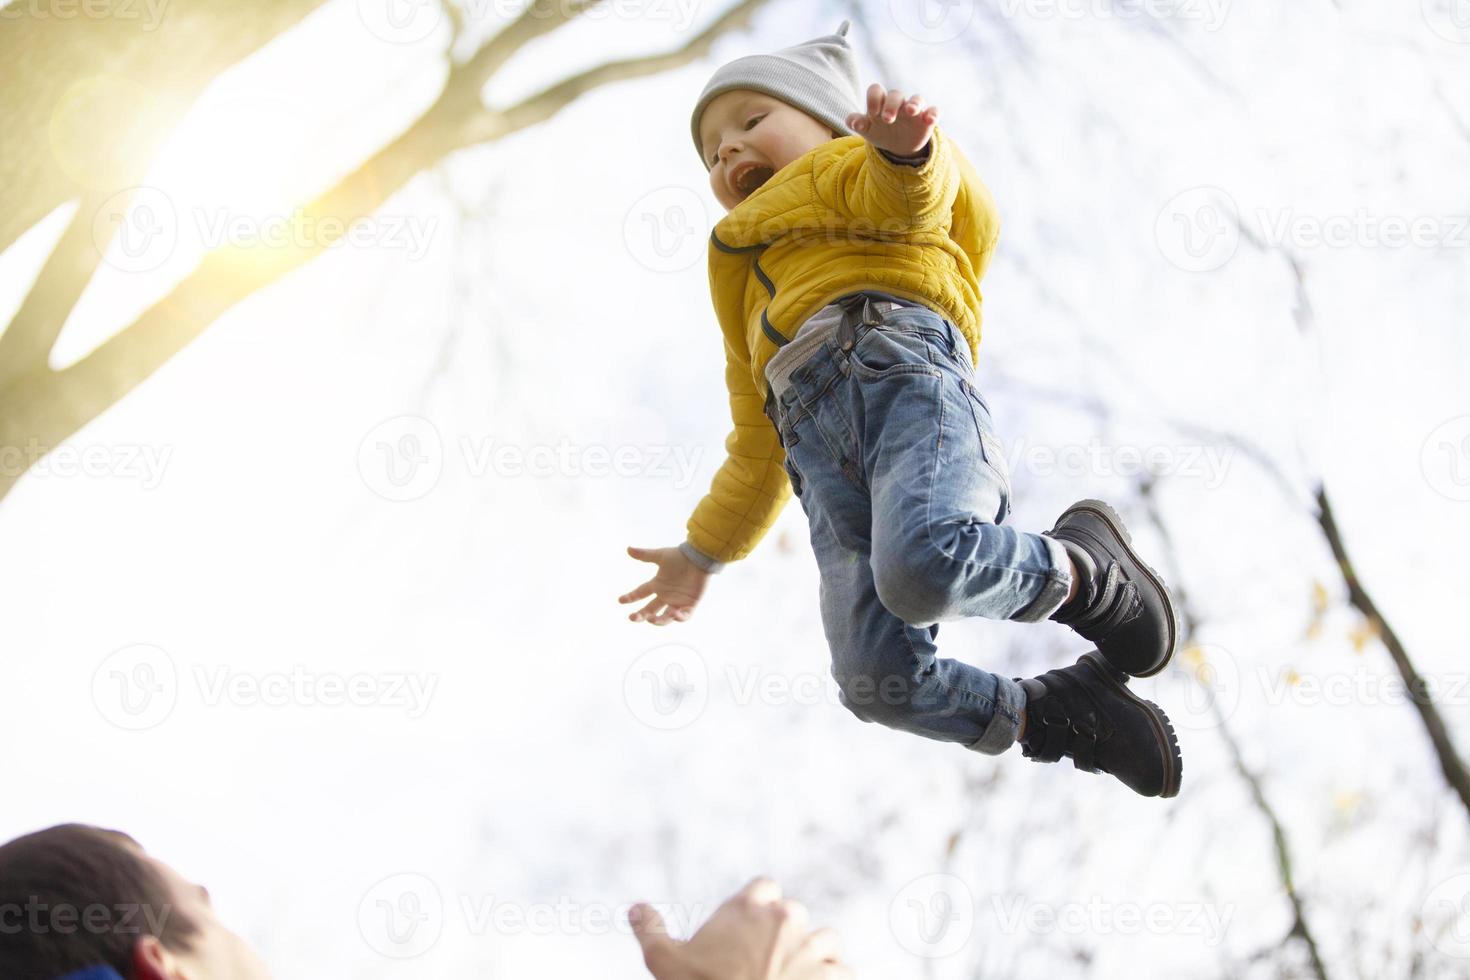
76	896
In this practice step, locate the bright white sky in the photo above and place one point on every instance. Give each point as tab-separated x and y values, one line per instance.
246	532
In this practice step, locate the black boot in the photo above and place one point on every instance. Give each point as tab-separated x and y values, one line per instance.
1087	713
1121	605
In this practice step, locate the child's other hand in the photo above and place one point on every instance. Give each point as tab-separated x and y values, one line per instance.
900	126
675	589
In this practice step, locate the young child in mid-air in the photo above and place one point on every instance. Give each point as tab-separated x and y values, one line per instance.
845	277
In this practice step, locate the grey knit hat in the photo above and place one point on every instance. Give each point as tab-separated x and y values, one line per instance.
819	77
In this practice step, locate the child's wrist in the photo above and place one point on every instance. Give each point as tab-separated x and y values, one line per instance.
705	563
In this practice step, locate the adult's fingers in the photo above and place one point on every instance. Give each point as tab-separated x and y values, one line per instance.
652	934
760	890
796	917
821	946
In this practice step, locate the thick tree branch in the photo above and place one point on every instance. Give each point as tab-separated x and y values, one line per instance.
40	408
27	342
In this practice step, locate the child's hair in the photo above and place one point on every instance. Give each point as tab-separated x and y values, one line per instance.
819	77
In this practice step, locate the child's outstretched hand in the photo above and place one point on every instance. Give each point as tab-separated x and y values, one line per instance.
900	126
675	589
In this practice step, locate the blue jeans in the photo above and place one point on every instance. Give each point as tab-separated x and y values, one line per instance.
891	451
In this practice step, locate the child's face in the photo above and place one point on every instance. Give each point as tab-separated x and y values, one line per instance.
741	127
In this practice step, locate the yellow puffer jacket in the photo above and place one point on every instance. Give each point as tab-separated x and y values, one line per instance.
835	220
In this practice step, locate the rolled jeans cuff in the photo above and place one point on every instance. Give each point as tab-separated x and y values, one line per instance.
1000	734
703	560
1054	592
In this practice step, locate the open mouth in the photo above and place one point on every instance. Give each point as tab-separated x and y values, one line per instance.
748	176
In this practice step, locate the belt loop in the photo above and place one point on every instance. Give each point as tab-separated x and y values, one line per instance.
846	334
772	412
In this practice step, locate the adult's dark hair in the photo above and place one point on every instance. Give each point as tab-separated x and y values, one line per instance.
74	896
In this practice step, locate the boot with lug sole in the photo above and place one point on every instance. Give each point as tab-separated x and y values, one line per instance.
1122	606
1087	713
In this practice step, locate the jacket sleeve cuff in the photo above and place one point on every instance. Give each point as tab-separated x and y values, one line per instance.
915	160
700	559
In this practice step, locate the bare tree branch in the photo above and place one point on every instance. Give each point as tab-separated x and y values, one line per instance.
40	408
1190	624
1439	736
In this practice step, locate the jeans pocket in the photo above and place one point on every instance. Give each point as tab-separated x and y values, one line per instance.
887	350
